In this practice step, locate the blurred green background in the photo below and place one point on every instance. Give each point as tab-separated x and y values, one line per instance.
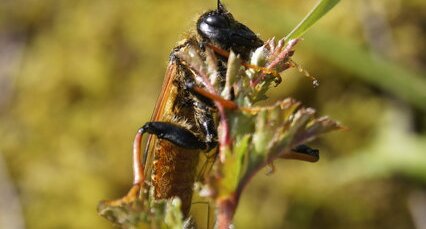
77	79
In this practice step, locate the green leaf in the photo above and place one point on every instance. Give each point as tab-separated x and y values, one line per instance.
313	16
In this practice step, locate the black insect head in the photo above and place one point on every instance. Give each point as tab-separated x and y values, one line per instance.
221	29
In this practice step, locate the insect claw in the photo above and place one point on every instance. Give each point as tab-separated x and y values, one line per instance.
277	80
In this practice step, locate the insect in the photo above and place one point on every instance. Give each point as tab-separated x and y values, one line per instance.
184	121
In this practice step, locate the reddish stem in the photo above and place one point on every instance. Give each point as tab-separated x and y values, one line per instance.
226	210
224	134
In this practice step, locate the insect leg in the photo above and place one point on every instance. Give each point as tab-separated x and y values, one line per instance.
175	134
205	120
208	98
304	153
171	132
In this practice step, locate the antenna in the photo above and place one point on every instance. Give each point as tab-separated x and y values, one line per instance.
220	6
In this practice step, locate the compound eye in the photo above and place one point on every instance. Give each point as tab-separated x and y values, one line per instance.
218	21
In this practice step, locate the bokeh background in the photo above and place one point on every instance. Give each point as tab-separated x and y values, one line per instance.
77	79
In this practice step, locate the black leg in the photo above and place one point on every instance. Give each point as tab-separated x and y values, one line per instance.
204	110
309	153
175	134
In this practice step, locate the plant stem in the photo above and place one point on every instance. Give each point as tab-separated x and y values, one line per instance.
226	208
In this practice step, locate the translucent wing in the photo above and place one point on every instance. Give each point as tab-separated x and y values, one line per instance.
161	107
